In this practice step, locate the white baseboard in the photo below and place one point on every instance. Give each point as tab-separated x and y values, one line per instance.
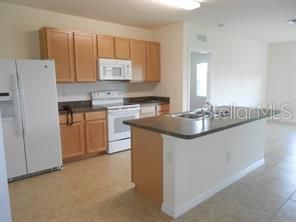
174	213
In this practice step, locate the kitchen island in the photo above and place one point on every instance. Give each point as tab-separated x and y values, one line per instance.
179	162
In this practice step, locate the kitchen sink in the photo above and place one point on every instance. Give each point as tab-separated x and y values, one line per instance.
200	114
189	115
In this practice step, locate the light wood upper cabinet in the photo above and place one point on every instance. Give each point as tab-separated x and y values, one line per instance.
153	62
75	54
105	45
57	44
72	137
85	57
138	57
122	48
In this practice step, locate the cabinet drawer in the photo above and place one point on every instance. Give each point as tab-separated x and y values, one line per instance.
95	115
77	117
163	108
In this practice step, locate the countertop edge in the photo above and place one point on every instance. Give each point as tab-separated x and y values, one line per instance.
193	136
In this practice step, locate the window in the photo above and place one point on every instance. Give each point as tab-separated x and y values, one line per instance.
201	79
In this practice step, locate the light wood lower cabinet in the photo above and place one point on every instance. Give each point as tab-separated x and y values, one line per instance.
96	138
72	138
162	109
147	164
87	136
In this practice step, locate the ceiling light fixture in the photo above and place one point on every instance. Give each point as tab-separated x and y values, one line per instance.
292	21
184	4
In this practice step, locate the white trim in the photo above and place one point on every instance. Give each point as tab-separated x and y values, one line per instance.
201	198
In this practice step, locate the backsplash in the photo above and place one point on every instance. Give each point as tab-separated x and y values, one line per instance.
81	91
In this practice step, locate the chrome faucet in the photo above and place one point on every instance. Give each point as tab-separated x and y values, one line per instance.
209	107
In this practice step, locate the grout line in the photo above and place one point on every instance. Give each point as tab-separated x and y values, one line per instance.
290	197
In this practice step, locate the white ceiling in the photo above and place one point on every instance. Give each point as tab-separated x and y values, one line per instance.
256	19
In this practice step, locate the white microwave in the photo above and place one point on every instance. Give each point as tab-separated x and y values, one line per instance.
113	69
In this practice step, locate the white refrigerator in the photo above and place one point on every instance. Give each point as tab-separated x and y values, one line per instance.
5	212
28	103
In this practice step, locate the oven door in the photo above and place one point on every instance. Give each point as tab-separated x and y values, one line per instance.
116	129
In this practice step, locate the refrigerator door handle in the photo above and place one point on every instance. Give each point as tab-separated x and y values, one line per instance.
22	103
16	105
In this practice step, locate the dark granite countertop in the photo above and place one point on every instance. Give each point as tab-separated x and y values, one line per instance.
192	128
86	106
79	107
148	100
84	109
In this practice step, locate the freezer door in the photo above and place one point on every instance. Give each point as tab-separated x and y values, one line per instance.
37	84
11	120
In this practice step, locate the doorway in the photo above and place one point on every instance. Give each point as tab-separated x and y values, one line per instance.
199	81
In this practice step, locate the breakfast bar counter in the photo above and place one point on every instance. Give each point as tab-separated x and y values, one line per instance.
179	161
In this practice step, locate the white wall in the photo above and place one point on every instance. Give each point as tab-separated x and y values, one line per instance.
19	38
19	29
239	64
238	71
171	40
281	79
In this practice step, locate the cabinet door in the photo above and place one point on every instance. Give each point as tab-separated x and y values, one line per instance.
105	46
153	62
138	57
122	48
58	45
85	57
73	140
96	136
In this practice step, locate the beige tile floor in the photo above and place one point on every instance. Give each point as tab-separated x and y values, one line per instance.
99	189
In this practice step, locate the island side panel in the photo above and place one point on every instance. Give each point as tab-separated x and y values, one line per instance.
147	164
196	169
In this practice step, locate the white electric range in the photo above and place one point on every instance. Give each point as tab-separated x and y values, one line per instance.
117	111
